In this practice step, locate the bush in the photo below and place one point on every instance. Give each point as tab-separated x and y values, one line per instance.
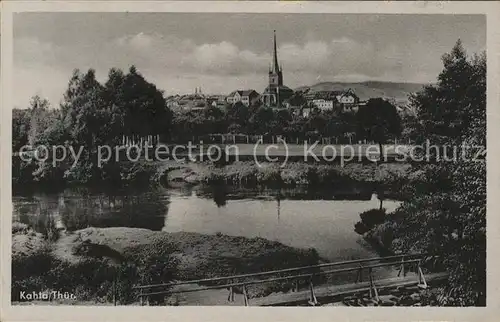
155	265
94	278
372	217
28	271
20	228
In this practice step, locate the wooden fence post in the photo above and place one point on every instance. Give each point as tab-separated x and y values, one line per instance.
245	295
421	279
402	268
230	297
312	297
359	275
372	286
114	291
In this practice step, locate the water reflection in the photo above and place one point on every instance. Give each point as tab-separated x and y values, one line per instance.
320	219
46	220
296	217
222	193
75	209
78	208
219	195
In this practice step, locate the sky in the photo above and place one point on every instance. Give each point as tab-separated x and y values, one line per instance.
222	52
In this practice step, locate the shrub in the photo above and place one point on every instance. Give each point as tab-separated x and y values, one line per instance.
372	217
155	265
94	278
28	271
20	228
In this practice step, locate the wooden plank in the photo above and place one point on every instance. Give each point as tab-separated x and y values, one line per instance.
326	265
286	270
294	277
325	292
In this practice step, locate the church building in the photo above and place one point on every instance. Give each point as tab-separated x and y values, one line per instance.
276	93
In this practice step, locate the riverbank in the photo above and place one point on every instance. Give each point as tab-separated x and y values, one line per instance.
391	175
137	256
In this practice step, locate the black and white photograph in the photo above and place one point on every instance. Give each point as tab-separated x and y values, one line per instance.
290	159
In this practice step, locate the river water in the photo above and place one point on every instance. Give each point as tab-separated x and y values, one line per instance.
323	220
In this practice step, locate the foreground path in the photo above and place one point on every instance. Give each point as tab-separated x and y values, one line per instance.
355	293
334	293
308	285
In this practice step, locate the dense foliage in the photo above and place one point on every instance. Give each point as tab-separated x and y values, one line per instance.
378	121
91	115
446	213
238	118
94	278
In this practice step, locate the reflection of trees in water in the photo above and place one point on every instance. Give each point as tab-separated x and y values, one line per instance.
128	209
217	192
278	201
40	215
219	195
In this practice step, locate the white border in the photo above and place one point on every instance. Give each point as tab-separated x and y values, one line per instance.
82	313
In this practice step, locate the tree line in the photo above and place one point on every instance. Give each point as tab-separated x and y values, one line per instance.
445	213
128	105
91	114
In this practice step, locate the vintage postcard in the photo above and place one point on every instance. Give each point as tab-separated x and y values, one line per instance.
208	160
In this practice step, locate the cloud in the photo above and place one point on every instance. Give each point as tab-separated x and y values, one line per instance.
225	58
312	54
330	58
180	64
141	41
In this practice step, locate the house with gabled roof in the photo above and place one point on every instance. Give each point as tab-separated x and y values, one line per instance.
247	97
348	100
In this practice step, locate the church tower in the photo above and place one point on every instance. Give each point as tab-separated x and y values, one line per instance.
275	73
276	93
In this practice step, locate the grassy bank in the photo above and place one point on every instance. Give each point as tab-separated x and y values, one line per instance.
294	173
87	261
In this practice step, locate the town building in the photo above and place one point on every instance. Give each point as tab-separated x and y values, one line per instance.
218	101
324	105
306	112
348	101
340	101
247	97
276	93
323	100
189	102
173	102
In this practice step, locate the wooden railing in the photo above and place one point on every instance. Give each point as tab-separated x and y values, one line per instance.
304	273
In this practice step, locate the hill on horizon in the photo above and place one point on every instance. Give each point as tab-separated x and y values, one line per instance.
370	89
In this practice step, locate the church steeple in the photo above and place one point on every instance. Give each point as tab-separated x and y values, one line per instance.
276	93
276	67
275	73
